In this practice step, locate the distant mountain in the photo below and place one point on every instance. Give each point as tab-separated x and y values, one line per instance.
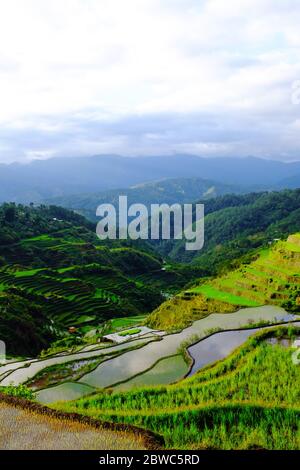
292	182
169	191
42	179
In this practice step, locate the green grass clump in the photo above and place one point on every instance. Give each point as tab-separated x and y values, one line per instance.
19	391
213	293
226	427
134	331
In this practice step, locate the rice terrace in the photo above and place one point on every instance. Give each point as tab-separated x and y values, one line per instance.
135	355
149	233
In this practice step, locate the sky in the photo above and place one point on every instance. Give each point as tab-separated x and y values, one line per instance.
149	77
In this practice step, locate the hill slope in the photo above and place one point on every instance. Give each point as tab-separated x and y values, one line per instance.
55	273
291	182
273	278
168	191
236	225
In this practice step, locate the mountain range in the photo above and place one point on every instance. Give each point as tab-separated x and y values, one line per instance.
44	179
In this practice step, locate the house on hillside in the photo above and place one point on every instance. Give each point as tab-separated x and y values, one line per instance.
72	329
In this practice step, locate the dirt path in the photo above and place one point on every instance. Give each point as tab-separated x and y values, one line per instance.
25	429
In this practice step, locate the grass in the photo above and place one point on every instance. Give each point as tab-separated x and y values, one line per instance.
293	247
248	400
131	332
119	323
74	300
20	391
211	292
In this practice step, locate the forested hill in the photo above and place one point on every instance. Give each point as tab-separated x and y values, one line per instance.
236	225
167	191
18	221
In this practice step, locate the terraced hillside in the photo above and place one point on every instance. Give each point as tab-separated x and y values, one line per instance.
52	262
273	278
79	295
249	400
75	300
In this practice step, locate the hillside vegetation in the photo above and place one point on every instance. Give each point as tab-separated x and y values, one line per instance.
236	226
55	273
273	278
24	327
248	400
167	191
52	262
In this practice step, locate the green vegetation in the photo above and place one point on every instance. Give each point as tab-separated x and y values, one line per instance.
61	289
134	331
54	269
59	373
23	325
50	259
116	324
273	278
236	226
249	400
20	391
167	191
211	293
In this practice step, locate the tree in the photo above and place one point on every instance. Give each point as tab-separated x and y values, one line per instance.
10	214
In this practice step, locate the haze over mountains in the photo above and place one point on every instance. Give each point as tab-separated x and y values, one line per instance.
167	191
44	179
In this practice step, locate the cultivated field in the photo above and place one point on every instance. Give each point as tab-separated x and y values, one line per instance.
23	429
272	279
249	400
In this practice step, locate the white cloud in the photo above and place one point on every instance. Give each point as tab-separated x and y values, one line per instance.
66	65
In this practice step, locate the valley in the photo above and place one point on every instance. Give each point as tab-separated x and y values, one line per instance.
71	280
149	232
119	319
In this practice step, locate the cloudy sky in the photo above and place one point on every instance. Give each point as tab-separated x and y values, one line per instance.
149	77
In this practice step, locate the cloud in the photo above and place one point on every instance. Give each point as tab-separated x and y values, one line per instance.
148	77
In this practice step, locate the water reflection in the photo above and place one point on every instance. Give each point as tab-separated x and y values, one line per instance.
134	362
220	345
